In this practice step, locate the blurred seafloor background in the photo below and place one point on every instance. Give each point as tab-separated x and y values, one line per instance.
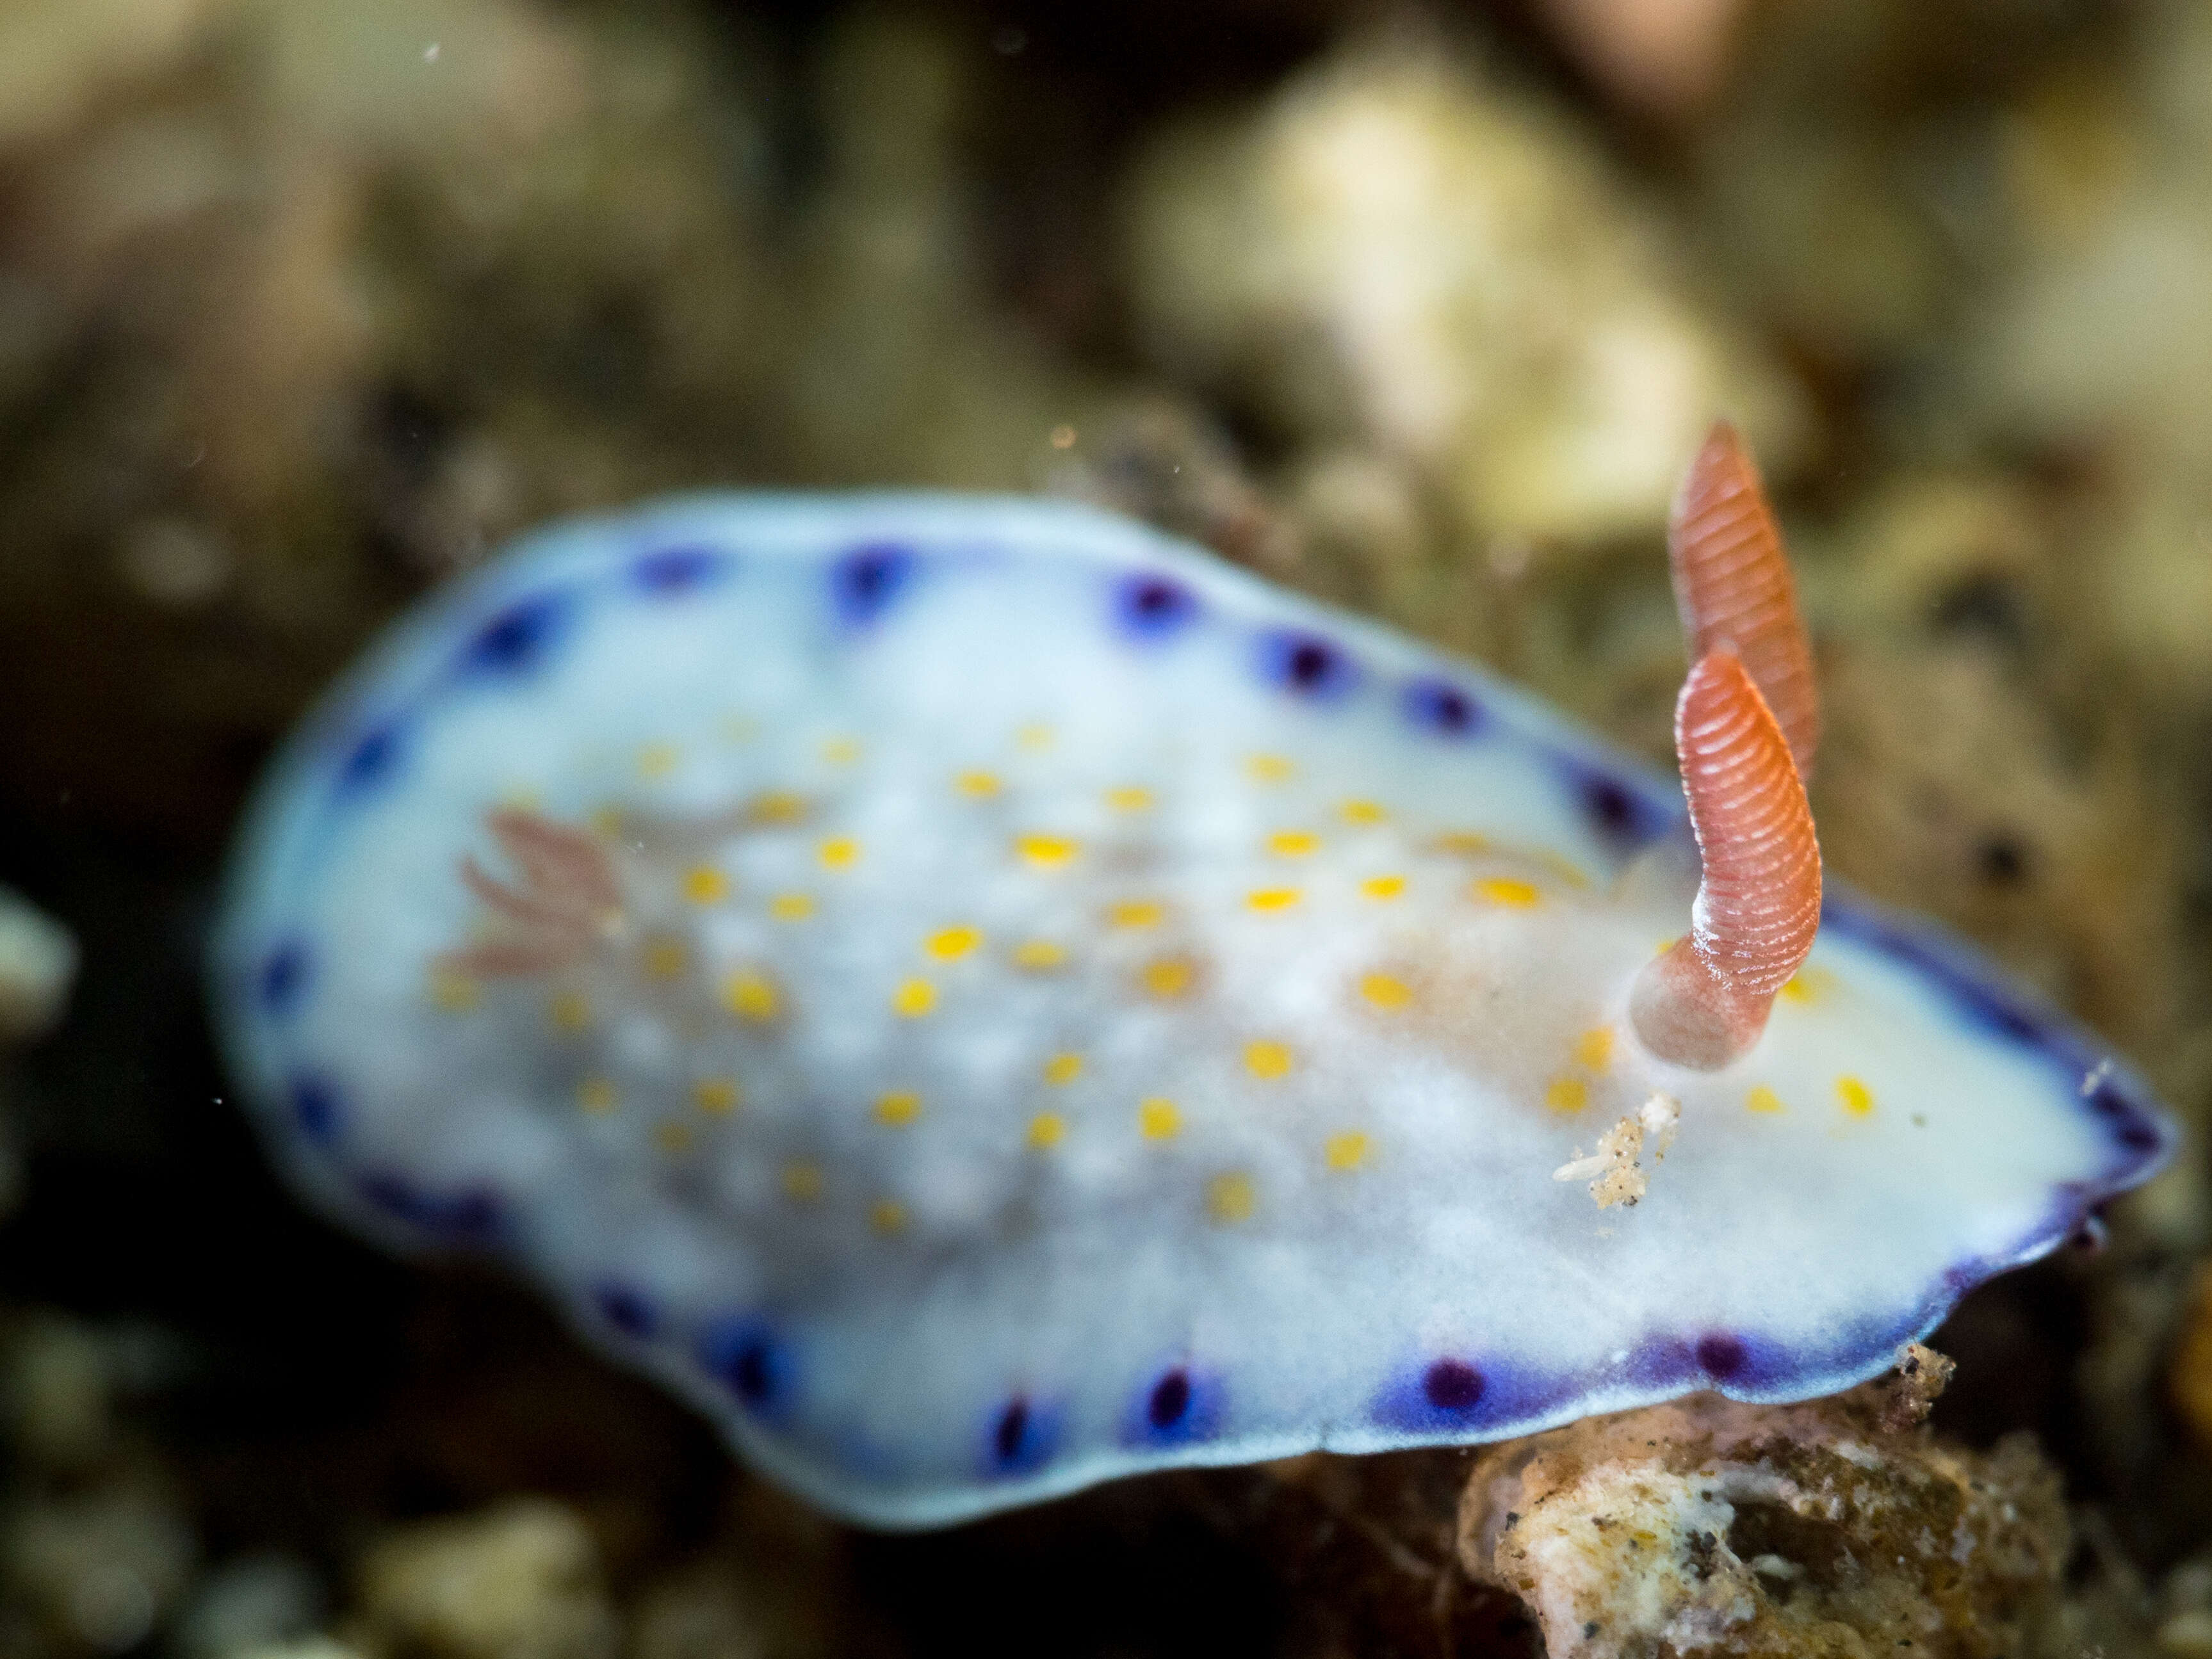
306	304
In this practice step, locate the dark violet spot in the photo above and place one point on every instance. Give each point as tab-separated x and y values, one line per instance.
2138	1136
371	760
515	640
1721	1356
1452	1385
863	583
1306	665
1622	818
315	1109
2131	1126
283	978
1171	1401
675	571
1021	1437
467	1215
1153	607
626	1308
1014	1426
1435	706
747	1361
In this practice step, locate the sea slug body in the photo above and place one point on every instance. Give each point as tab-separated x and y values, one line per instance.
982	998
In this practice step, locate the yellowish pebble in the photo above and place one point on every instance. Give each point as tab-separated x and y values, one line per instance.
751	995
1063	1069
951	944
717	1096
1855	1096
1265	1057
898	1109
1503	890
704	884
1385	992
1158	1118
914	999
1231	1197
1039	954
1345	1151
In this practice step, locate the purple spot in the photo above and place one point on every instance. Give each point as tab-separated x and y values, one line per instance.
515	642
1153	607
1021	1437
283	978
1622	818
1306	665
373	758
675	571
626	1308
315	1109
1722	1357
1171	1401
1436	706
467	1215
863	583
742	1355
1452	1385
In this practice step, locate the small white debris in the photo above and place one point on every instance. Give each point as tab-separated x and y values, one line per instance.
1615	1171
2096	1078
38	963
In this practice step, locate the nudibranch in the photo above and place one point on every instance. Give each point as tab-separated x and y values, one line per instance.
982	998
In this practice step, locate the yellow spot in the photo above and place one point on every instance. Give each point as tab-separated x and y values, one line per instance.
571	1012
1136	913
1037	736
522	797
977	785
898	1109
1464	843
1383	888
1158	1118
1363	811
1762	1099
1593	1047
1808	985
1564	868
1271	898
1268	1058
1856	1098
717	1096
1047	1131
791	907
704	884
778	806
596	1095
1567	1094
887	1215
1385	992
751	995
1293	843
1038	955
951	943
841	751
914	999
1046	852
1063	1069
1169	976
1502	890
606	823
1129	798
657	760
454	991
664	958
802	1181
1269	769
840	852
673	1137
1345	1151
1231	1197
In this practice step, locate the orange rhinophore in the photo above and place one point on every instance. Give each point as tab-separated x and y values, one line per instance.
1733	586
1704	1001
